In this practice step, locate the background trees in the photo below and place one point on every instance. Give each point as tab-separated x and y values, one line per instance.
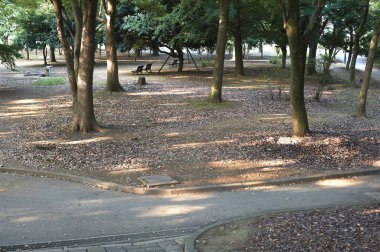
172	27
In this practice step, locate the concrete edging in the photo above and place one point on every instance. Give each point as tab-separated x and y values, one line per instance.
187	190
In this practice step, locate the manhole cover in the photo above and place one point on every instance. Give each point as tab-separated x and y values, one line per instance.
157	180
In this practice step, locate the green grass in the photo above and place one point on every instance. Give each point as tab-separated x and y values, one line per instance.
205	104
50	81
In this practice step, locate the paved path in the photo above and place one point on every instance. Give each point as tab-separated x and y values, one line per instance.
36	210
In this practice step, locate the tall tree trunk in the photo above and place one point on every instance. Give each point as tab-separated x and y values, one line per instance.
239	65
368	71
44	53
52	54
84	116
284	52
113	84
27	53
298	40
216	88
81	83
356	48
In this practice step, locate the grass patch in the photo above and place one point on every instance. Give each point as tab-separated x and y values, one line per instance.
50	81
205	104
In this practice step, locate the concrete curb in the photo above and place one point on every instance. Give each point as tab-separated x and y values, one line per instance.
190	241
187	190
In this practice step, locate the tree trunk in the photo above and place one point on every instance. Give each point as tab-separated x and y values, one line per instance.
368	71
284	52
44	53
84	116
311	63
52	54
27	53
57	4
180	59
239	65
216	89
356	48
113	84
78	15
81	84
348	63
298	40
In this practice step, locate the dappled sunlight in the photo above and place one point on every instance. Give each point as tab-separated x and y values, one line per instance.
371	211
27	101
173	104
26	219
171	210
6	133
127	170
168	120
266	165
94	213
338	182
272	117
192	197
171	134
172	92
199	144
376	163
21	114
66	142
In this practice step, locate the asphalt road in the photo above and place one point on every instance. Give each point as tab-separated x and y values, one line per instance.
34	209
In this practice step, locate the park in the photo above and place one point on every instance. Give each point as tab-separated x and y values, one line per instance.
138	127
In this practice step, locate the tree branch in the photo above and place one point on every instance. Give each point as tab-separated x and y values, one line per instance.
364	20
284	14
314	20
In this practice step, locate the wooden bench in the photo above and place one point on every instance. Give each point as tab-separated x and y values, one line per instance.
138	70
174	63
148	68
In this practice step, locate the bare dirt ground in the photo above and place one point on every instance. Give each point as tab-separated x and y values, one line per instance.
335	229
166	128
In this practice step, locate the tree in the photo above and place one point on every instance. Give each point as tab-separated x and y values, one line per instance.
80	70
238	41
216	88
113	84
298	39
313	46
368	71
8	55
356	46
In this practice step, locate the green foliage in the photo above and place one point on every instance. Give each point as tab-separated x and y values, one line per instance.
324	62
207	63
50	81
8	55
275	60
